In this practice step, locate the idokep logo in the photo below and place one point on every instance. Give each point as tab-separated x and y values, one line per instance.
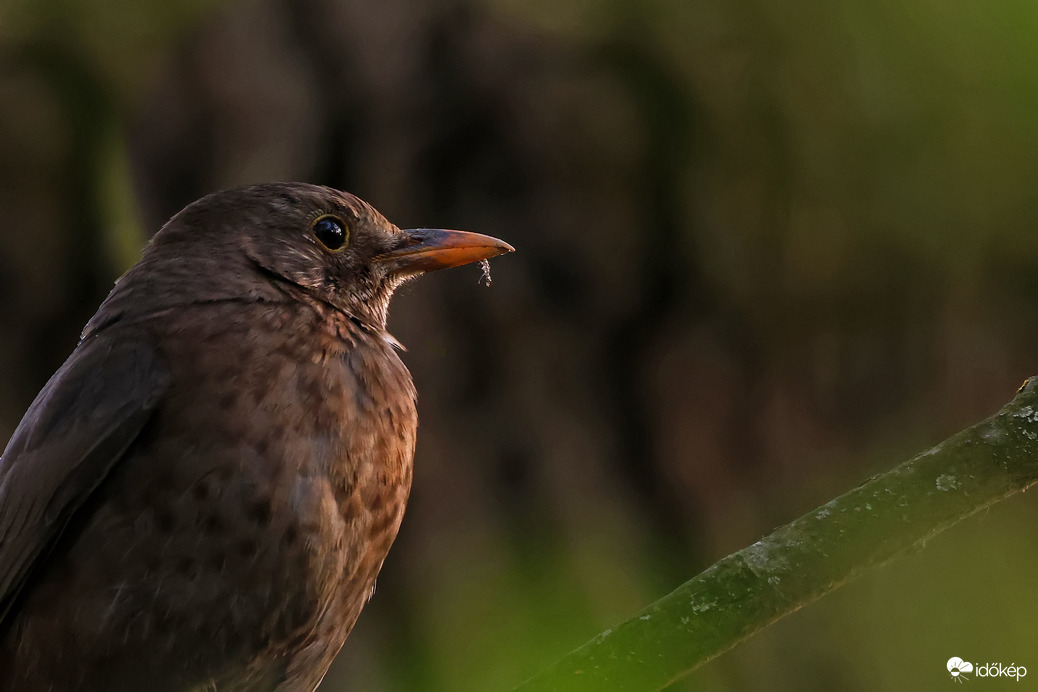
959	670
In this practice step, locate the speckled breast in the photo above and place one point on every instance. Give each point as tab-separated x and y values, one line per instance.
242	533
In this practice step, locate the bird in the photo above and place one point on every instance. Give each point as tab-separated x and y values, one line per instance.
202	495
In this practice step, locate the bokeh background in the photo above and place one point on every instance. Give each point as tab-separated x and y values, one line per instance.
765	250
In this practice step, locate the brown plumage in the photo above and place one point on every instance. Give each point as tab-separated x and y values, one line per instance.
202	496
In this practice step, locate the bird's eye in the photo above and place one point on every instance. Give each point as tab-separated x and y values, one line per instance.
331	231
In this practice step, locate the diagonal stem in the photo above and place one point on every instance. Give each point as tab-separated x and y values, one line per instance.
888	515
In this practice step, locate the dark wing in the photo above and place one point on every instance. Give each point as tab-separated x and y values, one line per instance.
78	427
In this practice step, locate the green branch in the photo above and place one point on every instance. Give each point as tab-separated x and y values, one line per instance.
885	517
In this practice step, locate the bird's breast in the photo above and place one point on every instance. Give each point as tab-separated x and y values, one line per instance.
258	504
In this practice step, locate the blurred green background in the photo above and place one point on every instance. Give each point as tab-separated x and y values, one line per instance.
765	250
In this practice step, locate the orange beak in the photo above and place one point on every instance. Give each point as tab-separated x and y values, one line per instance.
429	249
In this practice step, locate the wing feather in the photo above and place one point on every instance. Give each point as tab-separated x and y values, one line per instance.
79	426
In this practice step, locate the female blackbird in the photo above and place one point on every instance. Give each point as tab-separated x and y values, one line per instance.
202	496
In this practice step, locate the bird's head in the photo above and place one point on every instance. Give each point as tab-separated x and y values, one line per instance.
330	244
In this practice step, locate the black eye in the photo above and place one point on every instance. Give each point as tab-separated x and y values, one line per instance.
331	231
